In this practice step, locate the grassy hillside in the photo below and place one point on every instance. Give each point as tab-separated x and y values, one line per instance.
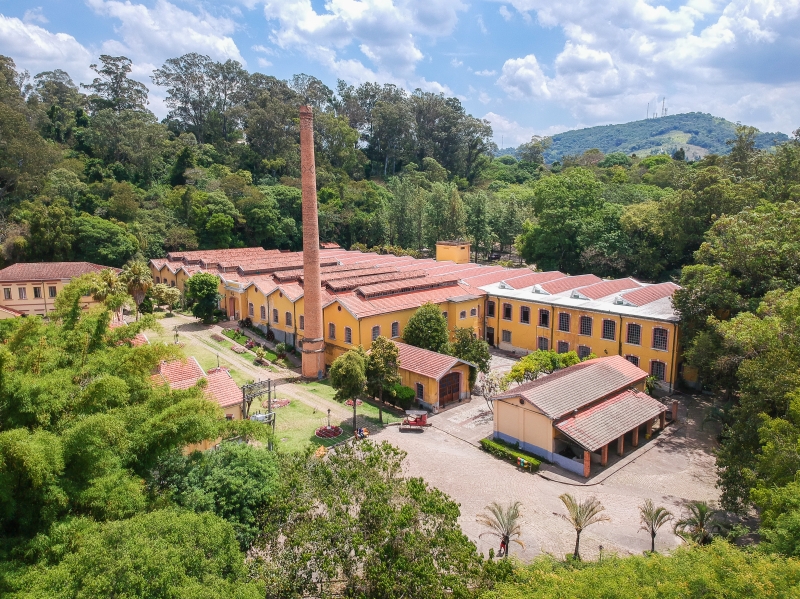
696	132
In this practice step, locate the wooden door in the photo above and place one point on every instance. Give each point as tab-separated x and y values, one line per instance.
449	388
490	336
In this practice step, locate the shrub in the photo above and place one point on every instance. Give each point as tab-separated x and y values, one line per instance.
403	396
281	349
506	452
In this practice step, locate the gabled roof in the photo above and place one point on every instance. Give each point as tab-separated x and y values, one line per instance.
48	271
600	424
569	389
222	388
10	311
178	374
425	362
650	293
567	283
598	290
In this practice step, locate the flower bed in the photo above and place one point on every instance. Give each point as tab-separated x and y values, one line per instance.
217	337
328	432
276	403
238	349
349	402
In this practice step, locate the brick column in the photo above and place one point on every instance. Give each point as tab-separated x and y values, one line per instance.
604	455
649	427
675	410
662	420
621	445
587	463
635	435
313	344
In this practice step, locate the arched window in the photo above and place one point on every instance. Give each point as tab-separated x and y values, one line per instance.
275	315
348	335
331	330
263	313
660	338
288	319
584	351
251	310
395	329
658	370
634	334
585	326
376	332
302	320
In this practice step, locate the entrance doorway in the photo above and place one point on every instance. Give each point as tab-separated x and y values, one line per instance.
449	388
231	307
490	336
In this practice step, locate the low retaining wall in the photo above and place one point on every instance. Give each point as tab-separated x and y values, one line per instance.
559	460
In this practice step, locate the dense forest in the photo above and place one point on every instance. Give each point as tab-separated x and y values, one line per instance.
95	495
656	136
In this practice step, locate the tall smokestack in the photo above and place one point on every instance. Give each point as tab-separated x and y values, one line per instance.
313	342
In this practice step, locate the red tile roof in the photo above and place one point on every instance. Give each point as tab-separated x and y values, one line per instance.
608	420
605	288
425	362
11	311
569	389
178	374
650	293
567	283
222	388
527	279
398	287
362	307
48	271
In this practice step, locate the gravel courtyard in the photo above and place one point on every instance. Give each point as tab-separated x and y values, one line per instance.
671	469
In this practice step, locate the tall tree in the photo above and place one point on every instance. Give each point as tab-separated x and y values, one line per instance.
581	514
113	88
427	328
653	518
138	280
190	90
349	377
470	348
503	522
202	288
381	369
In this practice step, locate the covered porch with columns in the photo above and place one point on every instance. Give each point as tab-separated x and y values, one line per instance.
613	424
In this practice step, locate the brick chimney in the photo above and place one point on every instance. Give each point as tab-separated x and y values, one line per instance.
313	343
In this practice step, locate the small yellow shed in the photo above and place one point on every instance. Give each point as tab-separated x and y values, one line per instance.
438	380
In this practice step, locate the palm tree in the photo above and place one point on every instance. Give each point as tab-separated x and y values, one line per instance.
699	525
503	522
109	289
653	518
582	514
136	277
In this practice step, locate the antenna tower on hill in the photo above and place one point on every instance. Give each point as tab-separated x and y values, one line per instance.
664	106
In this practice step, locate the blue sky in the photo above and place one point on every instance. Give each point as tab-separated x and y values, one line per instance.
528	66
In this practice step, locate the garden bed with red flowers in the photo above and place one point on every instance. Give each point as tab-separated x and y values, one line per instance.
328	432
349	402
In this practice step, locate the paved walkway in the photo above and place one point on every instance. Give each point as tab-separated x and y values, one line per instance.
672	470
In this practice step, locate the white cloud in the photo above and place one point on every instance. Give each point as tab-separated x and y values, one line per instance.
34	15
164	31
263	49
37	49
505	13
704	55
387	33
482	25
456	63
486	73
484	98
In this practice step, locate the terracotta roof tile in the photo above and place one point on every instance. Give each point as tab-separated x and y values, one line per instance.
425	362
528	279
567	283
608	420
178	374
605	288
222	388
650	293
569	389
493	275
48	271
11	311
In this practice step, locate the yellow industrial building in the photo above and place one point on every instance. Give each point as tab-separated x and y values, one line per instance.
517	310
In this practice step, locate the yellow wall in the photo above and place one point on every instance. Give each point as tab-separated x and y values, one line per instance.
430	386
34	305
456	253
523	422
524	337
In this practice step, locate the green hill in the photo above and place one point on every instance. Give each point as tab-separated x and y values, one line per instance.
698	133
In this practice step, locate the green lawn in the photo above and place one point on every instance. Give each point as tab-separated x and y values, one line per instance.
242	339
369	408
295	425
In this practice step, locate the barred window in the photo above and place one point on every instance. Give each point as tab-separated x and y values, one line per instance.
525	315
275	317
473	312
506	336
584	351
331	330
263	313
658	370
506	311
302	320
563	322
543	343
585	326
376	332
251	310
633	360
395	329
634	334
609	330
288	319
563	347
420	391
462	315
490	309
544	318
660	338
348	335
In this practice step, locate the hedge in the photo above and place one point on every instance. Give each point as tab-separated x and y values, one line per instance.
403	397
508	452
